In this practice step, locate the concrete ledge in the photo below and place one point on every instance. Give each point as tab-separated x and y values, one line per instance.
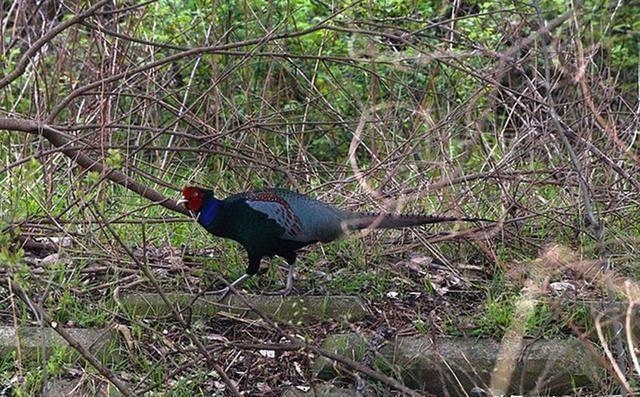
34	339
304	309
556	366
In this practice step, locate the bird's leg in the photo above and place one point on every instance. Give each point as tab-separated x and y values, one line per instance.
254	266
289	285
236	284
291	260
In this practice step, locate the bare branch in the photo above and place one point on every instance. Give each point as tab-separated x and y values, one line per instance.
21	66
83	351
59	139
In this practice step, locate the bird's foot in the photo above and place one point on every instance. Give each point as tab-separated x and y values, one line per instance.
286	291
223	293
288	286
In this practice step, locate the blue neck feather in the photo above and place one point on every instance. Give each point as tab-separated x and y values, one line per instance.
209	211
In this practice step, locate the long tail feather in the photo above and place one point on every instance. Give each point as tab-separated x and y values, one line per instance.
358	221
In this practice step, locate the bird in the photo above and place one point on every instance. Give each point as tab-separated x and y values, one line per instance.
278	222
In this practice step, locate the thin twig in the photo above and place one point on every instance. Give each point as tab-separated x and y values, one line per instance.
21	66
322	352
176	313
59	139
44	316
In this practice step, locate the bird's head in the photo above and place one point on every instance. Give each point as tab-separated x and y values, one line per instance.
193	198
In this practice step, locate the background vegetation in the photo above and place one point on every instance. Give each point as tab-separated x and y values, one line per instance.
522	112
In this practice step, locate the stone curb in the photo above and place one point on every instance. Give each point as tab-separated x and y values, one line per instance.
34	339
303	309
457	365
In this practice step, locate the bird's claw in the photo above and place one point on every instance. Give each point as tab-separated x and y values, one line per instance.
281	292
223	293
288	286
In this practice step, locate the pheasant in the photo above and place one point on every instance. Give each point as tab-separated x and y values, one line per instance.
279	222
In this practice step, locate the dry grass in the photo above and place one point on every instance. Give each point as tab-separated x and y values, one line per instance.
481	113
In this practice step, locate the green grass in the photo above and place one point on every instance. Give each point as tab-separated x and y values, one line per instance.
435	121
35	370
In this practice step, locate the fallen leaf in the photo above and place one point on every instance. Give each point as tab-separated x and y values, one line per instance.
126	334
267	353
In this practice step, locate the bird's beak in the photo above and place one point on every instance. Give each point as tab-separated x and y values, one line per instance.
184	201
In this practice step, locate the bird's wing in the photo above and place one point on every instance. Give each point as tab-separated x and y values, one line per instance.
277	209
302	218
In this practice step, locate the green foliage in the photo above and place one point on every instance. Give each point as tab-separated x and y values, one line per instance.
12	258
428	285
115	158
34	372
421	325
363	281
497	316
58	359
439	115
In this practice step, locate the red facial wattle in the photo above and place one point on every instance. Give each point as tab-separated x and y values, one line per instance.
194	197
